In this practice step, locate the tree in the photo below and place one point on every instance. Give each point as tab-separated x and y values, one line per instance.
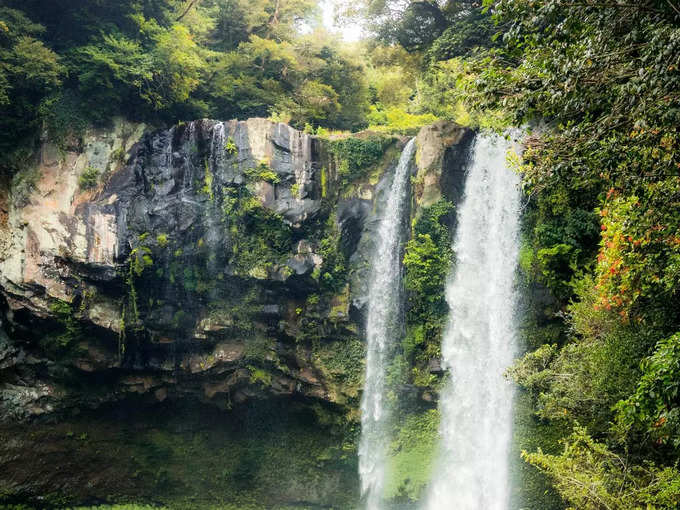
29	71
161	61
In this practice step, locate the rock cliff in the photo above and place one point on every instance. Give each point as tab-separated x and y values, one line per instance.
212	262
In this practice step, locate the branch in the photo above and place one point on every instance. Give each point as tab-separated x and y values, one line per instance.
192	3
673	6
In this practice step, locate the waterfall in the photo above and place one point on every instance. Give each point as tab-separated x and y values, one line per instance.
479	343
382	332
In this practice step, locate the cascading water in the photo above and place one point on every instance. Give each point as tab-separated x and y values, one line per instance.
479	343
381	333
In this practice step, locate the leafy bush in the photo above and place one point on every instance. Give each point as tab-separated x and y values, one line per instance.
262	172
601	360
655	405
427	261
397	120
64	116
89	178
70	330
356	155
639	259
230	147
590	476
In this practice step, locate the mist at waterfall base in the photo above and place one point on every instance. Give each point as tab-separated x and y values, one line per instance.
382	327
471	472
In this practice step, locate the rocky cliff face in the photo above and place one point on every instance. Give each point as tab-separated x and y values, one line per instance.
213	262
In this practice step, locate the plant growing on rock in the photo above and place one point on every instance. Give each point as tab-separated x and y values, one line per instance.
89	178
262	172
356	155
230	147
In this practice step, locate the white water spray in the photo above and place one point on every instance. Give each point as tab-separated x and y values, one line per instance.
479	343
382	335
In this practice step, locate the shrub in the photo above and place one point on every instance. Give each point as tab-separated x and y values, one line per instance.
590	476
397	120
231	147
654	405
262	173
89	178
355	155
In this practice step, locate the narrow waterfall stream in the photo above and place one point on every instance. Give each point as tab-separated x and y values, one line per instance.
479	343
382	331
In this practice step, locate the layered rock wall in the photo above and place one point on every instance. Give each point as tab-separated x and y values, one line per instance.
214	262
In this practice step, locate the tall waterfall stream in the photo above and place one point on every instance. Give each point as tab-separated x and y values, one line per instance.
479	342
381	332
471	469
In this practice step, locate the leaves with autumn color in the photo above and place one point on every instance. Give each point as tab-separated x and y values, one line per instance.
639	259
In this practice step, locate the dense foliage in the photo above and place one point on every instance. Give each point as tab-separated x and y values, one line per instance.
427	262
70	64
597	85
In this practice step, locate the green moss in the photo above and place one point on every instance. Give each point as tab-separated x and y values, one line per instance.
260	376
324	182
178	318
239	312
332	274
194	278
259	348
140	259
411	456
162	240
71	329
260	239
391	154
208	181
341	363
